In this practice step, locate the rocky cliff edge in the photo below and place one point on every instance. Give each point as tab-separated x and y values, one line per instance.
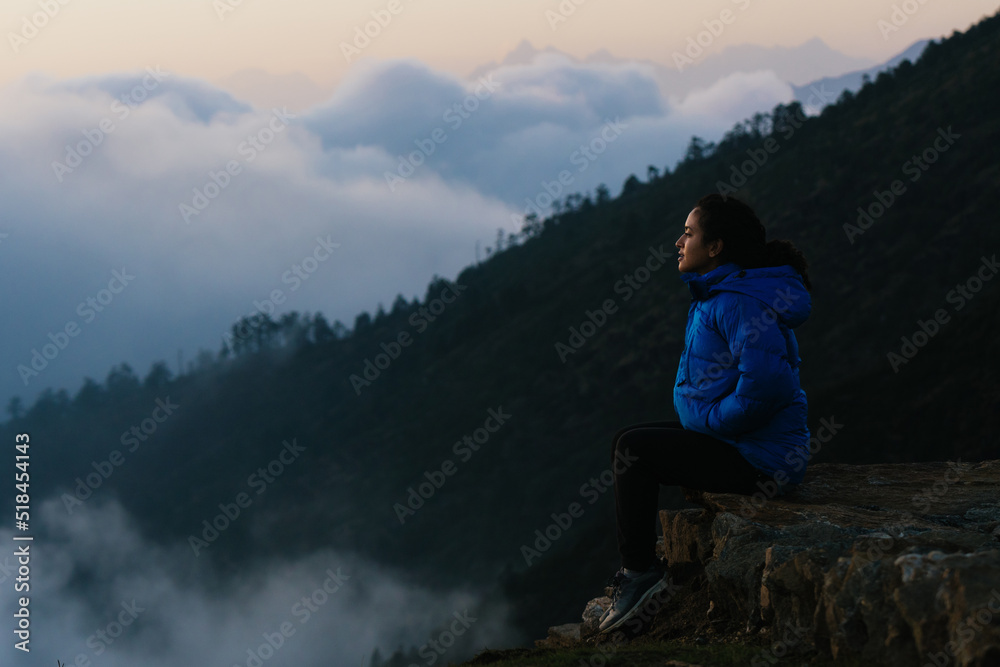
892	564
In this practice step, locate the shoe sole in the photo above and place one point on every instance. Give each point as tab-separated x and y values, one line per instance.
653	590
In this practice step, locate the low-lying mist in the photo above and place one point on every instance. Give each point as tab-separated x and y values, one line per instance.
102	594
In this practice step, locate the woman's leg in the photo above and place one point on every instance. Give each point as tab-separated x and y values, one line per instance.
654	453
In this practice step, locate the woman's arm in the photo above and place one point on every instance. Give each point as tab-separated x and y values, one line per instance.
766	380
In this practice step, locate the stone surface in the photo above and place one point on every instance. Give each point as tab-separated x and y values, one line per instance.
567	634
592	614
893	564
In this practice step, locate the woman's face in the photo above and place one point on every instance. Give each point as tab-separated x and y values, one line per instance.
693	254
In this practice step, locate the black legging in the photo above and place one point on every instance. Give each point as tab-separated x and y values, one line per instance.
644	456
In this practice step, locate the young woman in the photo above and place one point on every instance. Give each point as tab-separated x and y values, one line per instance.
742	414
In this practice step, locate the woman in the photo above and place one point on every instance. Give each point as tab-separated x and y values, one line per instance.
742	425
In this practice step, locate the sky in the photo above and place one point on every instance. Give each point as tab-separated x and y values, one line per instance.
212	39
170	166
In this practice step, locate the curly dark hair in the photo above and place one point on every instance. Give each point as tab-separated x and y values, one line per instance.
743	236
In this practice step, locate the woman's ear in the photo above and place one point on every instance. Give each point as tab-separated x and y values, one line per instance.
715	247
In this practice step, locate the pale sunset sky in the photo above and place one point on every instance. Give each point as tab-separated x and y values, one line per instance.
211	39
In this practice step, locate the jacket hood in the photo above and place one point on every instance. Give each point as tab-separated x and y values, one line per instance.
778	287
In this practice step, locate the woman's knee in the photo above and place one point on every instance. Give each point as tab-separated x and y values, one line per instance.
628	446
614	441
636	437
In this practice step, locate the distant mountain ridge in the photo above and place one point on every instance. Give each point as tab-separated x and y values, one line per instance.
829	88
803	64
817	73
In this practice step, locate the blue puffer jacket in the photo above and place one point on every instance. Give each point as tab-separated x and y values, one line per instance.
738	378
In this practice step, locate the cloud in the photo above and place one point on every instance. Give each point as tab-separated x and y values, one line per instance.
503	132
186	98
211	204
516	127
119	208
738	95
101	590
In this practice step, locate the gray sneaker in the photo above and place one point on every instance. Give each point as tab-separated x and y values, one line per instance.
629	594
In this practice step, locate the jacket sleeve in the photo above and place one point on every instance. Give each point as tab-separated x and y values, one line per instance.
766	381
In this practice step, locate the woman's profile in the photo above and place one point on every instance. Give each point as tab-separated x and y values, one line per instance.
742	414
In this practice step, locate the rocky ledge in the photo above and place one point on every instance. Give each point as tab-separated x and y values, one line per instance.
892	564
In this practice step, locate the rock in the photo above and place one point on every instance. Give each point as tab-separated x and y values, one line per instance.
890	564
567	634
687	536
592	615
